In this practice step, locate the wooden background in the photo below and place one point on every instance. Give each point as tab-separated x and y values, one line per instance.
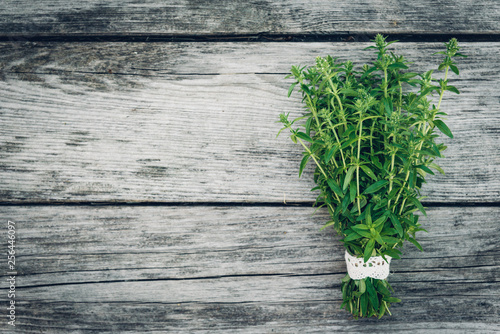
139	161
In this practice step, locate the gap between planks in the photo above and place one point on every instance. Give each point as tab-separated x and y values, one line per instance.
305	204
259	37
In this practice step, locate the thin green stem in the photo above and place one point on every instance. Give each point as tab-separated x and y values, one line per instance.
371	136
357	183
315	113
359	154
402	206
338	142
385	82
391	177
335	93
402	187
385	95
442	90
400	97
386	307
314	158
342	114
359	138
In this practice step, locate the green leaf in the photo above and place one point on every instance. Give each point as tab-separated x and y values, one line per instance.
369	172
328	156
361	216
443	127
425	169
388	106
415	242
453	89
426	152
303	164
382	289
436	150
389	231
345	203
368	215
357	249
390	240
391	300
369	249
436	167
349	92
346	278
376	186
382	310
360	227
333	185
397	65
411	179
348	177
396	224
306	89
362	286
302	135
454	69
291	88
379	239
352	191
345	297
392	253
364	304
370	70
376	162
417	203
379	223
410	222
372	293
381	204
352	236
365	234
330	223
409	75
349	142
308	126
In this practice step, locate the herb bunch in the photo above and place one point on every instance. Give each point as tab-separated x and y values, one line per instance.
371	134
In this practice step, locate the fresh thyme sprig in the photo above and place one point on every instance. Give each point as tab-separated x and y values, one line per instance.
372	138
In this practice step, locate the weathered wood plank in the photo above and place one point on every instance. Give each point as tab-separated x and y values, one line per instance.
27	18
185	122
240	269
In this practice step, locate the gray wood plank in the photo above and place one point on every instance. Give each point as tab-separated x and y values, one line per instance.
21	18
195	122
241	269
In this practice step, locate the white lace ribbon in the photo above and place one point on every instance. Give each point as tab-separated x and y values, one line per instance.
375	267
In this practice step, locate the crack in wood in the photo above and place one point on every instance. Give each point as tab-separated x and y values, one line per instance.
284	275
176	279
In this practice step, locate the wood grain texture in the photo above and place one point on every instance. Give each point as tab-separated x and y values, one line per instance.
20	18
195	122
240	269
